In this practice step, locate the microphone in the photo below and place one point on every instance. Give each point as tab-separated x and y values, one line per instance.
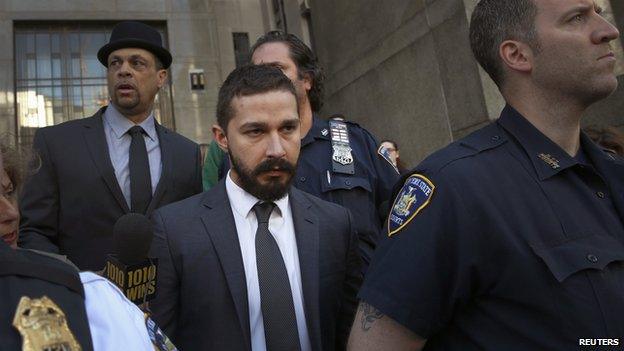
129	267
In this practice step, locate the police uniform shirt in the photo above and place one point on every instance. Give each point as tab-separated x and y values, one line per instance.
115	322
501	241
365	193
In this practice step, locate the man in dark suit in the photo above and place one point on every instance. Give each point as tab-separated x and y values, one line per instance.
255	264
120	160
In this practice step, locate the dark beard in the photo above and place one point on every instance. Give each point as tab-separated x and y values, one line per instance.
272	191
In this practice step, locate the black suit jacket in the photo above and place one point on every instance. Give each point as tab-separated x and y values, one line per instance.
202	292
71	203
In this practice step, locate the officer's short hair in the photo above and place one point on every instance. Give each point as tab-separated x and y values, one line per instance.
249	80
493	22
304	58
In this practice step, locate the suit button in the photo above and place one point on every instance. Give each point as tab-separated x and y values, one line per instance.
592	258
302	179
600	194
348	182
496	138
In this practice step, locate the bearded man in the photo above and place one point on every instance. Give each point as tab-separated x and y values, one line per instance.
250	265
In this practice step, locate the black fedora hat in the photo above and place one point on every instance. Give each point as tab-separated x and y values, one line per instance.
131	34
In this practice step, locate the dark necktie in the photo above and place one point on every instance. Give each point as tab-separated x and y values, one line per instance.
138	164
278	310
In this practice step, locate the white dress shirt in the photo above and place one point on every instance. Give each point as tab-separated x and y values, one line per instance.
118	140
114	321
283	230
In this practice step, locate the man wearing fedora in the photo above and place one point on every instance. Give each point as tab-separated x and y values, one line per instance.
120	160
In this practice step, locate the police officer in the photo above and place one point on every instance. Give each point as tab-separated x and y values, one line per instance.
513	237
41	297
47	305
42	303
339	161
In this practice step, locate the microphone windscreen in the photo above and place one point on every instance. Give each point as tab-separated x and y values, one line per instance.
132	238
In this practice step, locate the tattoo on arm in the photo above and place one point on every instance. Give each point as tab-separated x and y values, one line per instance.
369	315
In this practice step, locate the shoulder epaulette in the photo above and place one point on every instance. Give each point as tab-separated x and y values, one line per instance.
481	140
485	138
35	265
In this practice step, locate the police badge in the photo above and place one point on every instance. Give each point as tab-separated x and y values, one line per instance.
43	326
342	158
342	154
413	197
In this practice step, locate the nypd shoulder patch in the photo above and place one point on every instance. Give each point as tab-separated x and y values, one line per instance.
413	197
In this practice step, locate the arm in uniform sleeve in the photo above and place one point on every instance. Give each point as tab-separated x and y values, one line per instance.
352	283
422	273
212	165
165	305
39	202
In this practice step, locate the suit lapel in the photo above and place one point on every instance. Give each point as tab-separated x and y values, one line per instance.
219	223
164	140
96	143
307	234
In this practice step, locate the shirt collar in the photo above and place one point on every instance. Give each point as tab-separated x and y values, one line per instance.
120	124
243	202
547	157
319	130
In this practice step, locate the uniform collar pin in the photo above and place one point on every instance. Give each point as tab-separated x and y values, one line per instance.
549	160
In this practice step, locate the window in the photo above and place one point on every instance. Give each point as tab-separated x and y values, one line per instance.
59	78
241	48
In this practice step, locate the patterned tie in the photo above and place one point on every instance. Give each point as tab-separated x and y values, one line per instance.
278	310
138	164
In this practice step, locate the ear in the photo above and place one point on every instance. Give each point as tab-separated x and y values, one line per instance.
517	56
220	137
307	81
161	75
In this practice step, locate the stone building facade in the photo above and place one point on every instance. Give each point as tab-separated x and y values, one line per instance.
401	68
405	70
49	72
